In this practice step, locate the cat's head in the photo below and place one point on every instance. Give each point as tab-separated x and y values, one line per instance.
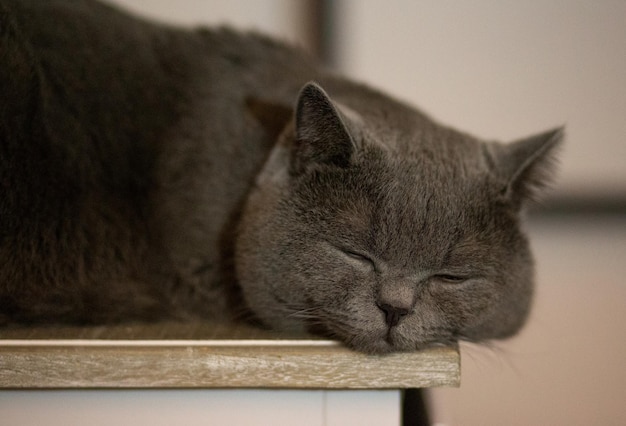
372	224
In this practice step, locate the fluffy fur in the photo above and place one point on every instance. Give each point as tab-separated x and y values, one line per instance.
150	172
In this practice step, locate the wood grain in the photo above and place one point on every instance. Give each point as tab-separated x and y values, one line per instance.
207	356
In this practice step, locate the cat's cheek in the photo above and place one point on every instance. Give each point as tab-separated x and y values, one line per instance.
463	305
351	309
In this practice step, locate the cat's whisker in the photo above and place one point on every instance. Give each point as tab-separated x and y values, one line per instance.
307	313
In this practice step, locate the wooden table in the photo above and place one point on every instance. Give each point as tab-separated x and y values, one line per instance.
208	356
176	355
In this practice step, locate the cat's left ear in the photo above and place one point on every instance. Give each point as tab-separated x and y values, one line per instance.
527	165
321	135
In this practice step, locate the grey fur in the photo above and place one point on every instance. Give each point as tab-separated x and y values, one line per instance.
149	172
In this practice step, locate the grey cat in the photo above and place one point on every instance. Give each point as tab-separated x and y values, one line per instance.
150	172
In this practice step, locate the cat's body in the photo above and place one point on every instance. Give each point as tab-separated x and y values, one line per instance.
150	172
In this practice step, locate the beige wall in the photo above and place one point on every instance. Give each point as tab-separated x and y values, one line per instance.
503	69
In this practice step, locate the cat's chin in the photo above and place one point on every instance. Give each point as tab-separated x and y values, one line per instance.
378	347
382	342
382	346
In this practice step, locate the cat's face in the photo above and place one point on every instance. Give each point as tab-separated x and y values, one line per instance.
388	248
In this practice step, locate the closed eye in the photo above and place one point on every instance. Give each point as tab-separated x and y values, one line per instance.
363	259
450	279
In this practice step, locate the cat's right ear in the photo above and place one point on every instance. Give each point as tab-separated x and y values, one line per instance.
527	165
321	135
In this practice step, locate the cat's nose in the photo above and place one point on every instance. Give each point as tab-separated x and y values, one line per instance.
393	314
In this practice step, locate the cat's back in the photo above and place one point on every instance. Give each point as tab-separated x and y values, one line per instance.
80	121
92	66
125	149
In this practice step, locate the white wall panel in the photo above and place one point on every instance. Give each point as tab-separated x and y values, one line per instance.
200	407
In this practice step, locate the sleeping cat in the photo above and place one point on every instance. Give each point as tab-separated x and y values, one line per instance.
151	172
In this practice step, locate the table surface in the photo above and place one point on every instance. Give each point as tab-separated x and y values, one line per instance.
201	355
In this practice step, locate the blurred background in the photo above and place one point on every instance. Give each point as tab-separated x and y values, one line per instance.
499	69
502	69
